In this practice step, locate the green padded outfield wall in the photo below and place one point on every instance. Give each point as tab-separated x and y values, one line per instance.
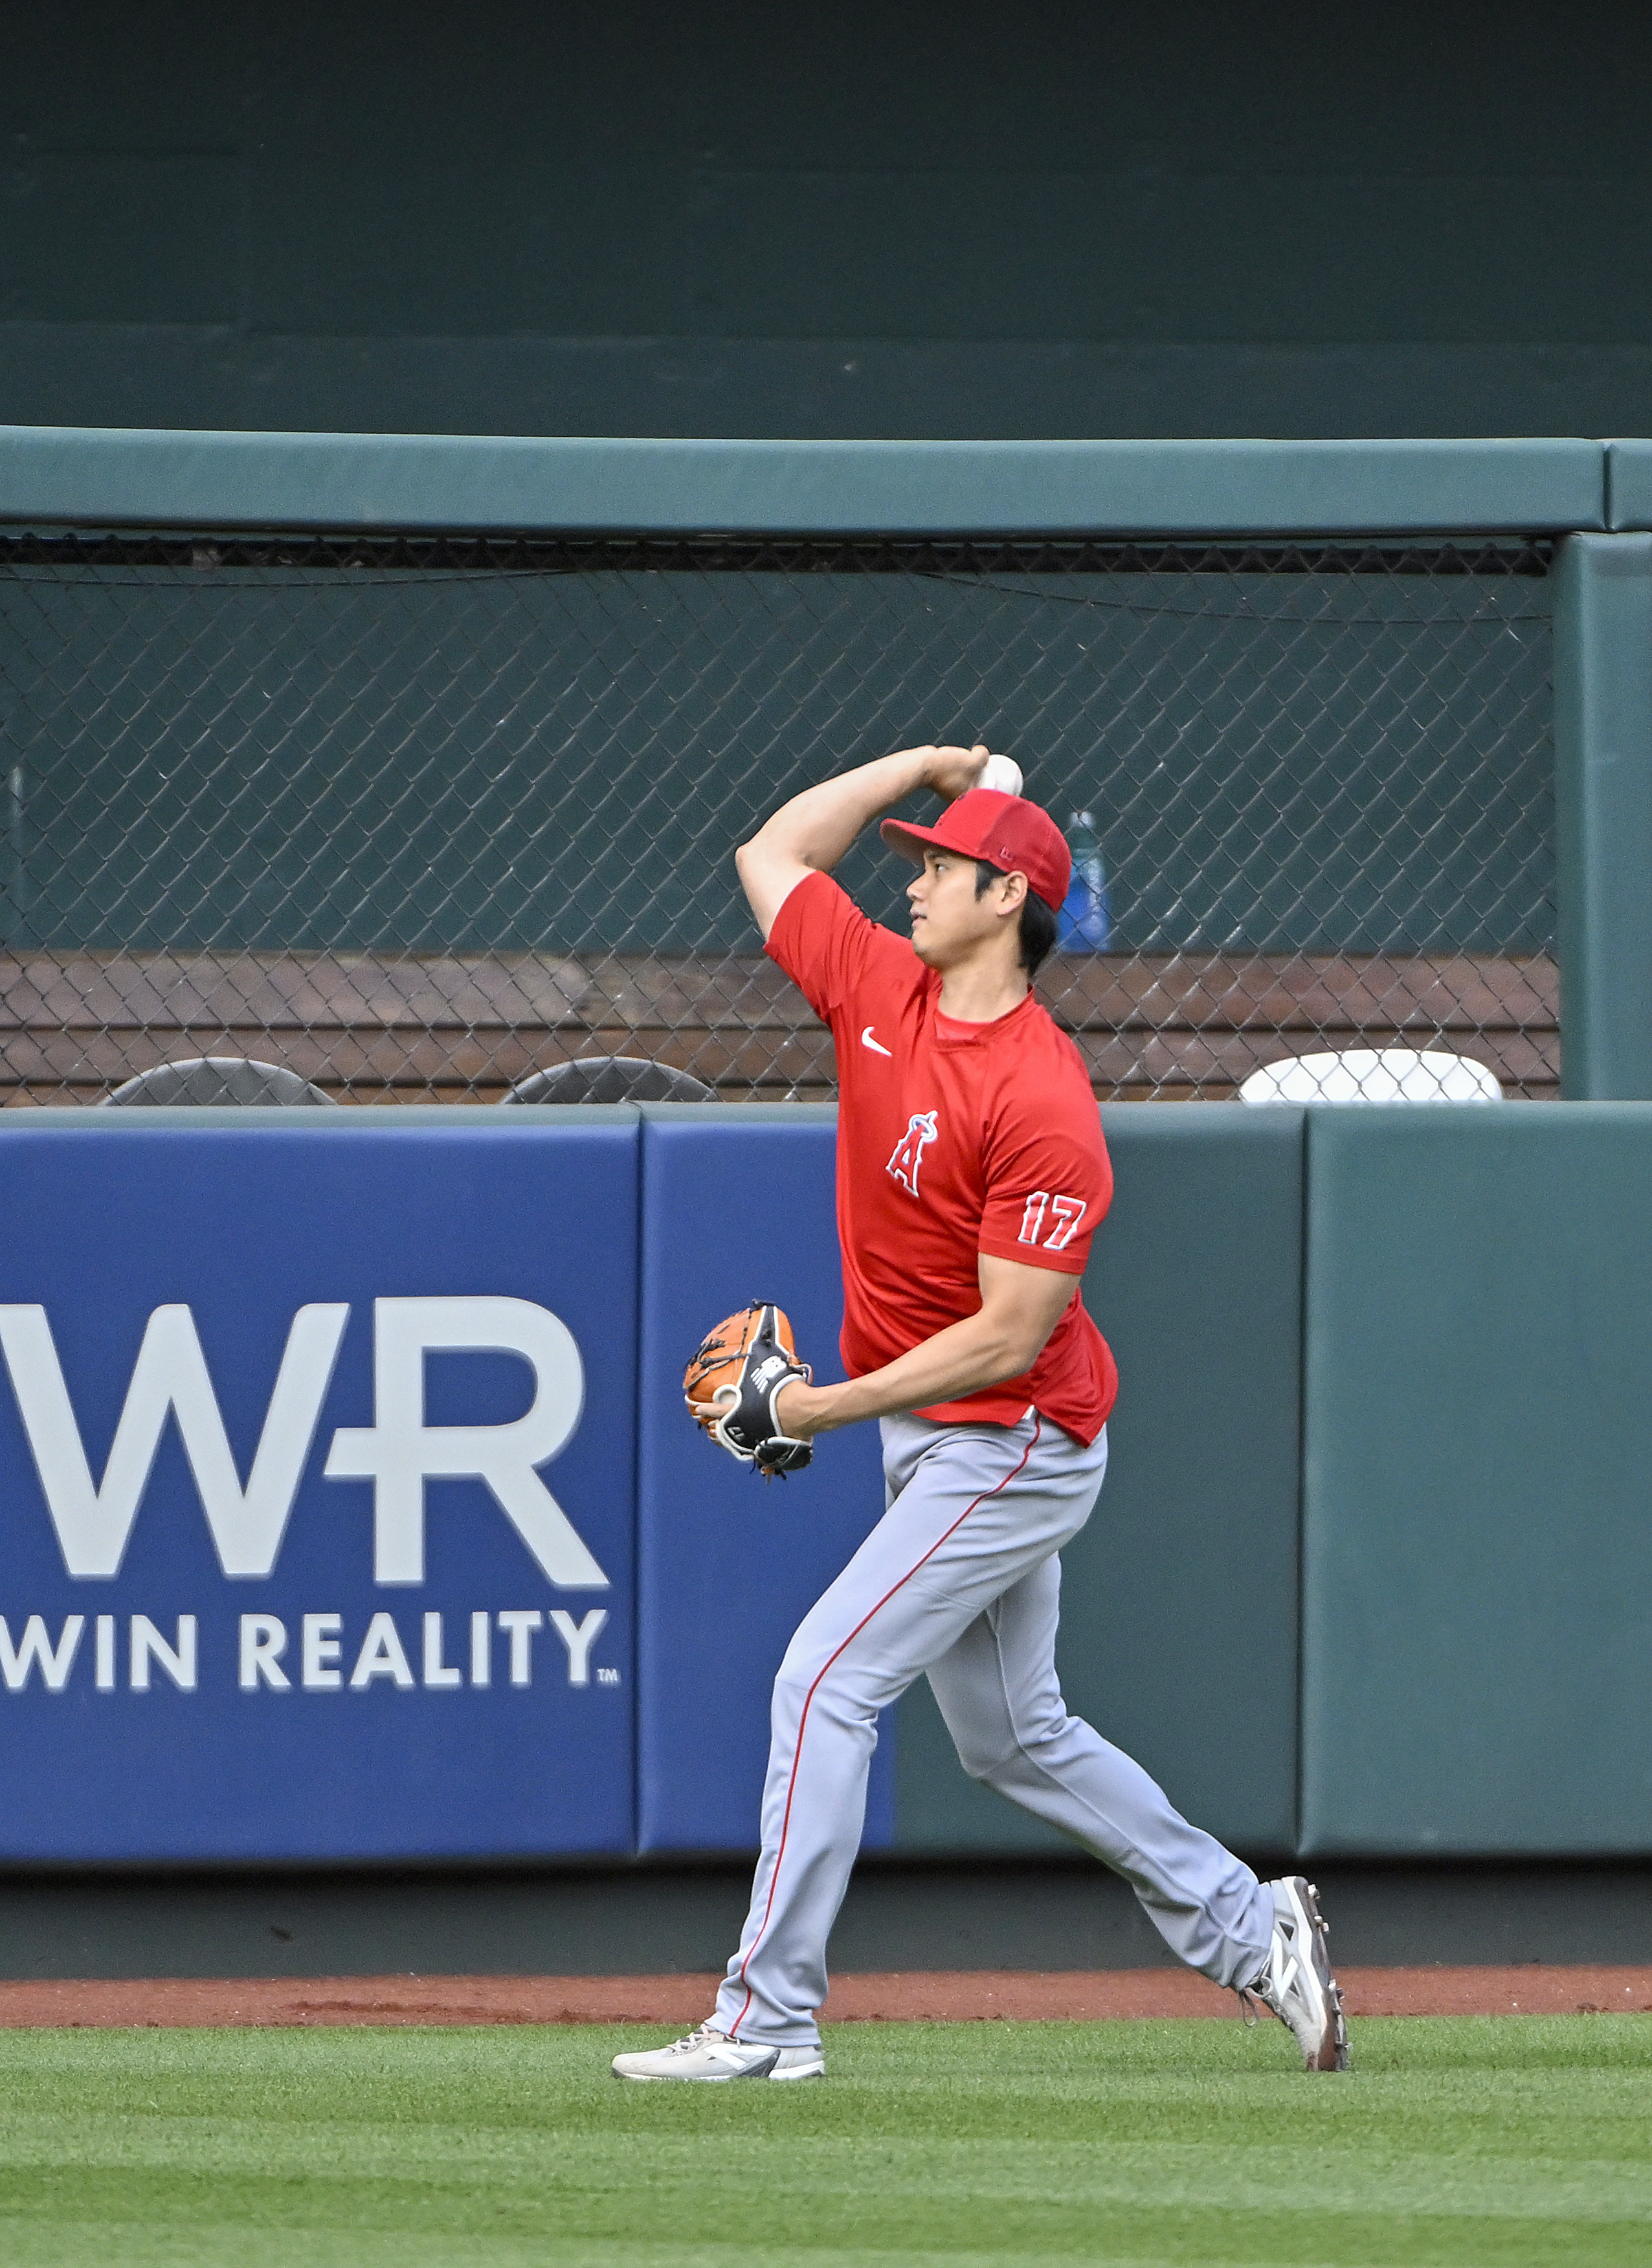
1178	1623
1478	1481
1602	802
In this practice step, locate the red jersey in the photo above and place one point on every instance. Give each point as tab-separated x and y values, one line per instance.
953	1139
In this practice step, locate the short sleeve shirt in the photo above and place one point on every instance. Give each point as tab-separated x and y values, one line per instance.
953	1139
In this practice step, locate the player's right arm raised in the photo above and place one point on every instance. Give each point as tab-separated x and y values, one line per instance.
809	834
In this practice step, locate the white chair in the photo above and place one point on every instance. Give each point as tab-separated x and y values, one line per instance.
1373	1075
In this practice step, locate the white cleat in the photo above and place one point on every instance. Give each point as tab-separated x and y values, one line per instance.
710	2055
1297	1985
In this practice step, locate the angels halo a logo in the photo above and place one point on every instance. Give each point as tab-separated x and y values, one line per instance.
908	1154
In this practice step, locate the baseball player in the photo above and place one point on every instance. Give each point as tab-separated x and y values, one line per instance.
971	1176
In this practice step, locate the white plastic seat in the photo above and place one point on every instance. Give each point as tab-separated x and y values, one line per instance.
1373	1075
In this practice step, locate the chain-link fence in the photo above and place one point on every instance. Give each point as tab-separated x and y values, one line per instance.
417	819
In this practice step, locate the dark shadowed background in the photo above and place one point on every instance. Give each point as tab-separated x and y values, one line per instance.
636	217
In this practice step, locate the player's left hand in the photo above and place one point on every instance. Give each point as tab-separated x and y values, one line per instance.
733	1383
794	1407
792	1411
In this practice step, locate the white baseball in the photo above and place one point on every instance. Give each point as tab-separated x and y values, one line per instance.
1002	773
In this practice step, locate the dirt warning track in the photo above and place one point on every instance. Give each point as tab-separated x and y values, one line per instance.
943	1995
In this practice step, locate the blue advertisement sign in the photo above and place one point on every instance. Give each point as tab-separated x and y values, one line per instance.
316	1486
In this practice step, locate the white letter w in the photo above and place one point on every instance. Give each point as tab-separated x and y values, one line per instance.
95	1524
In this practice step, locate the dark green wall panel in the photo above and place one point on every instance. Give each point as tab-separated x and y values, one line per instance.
169	375
1320	219
1178	1629
1478	1548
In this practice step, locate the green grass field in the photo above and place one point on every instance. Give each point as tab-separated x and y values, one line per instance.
1515	2139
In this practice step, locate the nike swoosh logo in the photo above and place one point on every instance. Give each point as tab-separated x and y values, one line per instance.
866	1041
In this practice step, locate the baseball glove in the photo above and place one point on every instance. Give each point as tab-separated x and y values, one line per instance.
731	1383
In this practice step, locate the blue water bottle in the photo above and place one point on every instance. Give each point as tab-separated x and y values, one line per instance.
1085	920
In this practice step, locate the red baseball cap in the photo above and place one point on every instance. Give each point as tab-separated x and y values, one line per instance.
1016	837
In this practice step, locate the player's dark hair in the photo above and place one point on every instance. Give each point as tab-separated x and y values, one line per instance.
1038	925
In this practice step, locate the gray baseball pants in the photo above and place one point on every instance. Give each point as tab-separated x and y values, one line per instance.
961	1578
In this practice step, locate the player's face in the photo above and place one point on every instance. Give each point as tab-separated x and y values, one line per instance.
949	923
